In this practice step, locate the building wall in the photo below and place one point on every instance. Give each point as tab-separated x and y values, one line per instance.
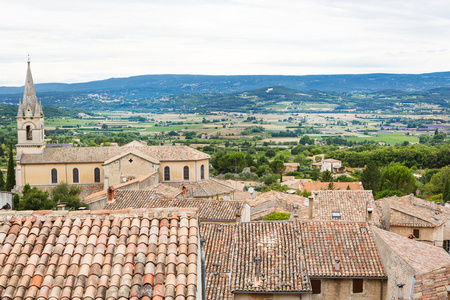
343	289
6	197
41	174
397	270
332	289
176	169
127	168
429	235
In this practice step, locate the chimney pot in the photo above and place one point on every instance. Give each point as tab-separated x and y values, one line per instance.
337	265
111	194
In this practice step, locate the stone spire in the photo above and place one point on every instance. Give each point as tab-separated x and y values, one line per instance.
29	106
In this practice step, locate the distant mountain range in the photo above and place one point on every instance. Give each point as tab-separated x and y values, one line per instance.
162	85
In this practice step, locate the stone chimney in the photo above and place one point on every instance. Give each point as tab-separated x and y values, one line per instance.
337	265
111	194
310	207
400	293
238	217
369	214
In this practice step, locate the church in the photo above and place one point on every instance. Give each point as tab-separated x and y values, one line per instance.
95	169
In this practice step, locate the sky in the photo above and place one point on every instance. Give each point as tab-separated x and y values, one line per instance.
85	40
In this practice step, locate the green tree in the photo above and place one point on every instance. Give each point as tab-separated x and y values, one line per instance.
277	166
35	199
326	176
398	178
370	177
69	195
11	174
446	192
271	153
2	181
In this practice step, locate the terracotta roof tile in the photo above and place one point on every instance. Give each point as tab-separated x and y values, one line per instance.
420	256
415	212
349	205
433	284
208	210
64	257
202	189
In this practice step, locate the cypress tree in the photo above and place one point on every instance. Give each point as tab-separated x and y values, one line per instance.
11	175
446	192
2	181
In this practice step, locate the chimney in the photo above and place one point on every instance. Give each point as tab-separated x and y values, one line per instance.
310	207
400	293
337	265
238	217
111	194
369	214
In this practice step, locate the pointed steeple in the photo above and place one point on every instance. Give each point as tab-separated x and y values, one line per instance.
29	106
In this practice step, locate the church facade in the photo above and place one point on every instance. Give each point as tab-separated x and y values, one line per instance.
96	168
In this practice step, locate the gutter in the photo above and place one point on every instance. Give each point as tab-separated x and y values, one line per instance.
412	287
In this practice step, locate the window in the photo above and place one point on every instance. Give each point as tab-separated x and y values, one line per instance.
335	214
447	245
29	133
166	173
416	233
96	175
76	177
357	286
186	173
316	286
202	171
54	176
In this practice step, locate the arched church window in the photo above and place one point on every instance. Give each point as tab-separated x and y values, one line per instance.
202	171
186	173
29	133
97	175
54	176
76	176
166	173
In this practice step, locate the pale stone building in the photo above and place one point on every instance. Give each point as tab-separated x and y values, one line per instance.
96	168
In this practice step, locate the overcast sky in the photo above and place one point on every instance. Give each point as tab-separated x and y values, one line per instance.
84	40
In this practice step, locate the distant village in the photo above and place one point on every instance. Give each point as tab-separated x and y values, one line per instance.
153	223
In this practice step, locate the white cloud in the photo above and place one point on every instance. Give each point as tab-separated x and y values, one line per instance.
73	41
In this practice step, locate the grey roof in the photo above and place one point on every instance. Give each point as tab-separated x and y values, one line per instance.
102	154
30	106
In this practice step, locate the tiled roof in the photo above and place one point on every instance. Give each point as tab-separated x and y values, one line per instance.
268	258
219	244
416	212
101	194
102	154
420	256
89	255
317	186
433	284
203	189
211	210
352	205
265	203
290	251
350	242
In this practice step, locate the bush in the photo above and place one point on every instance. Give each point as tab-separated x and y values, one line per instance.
277	216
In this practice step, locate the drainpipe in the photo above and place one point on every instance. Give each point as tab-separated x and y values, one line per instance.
202	250
381	290
412	287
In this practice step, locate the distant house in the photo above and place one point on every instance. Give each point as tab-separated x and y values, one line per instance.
332	165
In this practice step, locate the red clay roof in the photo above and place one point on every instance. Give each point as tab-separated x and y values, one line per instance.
318	185
420	256
433	284
138	254
352	205
350	242
208	210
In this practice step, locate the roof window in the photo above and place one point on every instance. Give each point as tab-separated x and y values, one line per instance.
336	214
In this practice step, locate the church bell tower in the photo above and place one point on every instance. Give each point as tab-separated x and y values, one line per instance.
30	120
